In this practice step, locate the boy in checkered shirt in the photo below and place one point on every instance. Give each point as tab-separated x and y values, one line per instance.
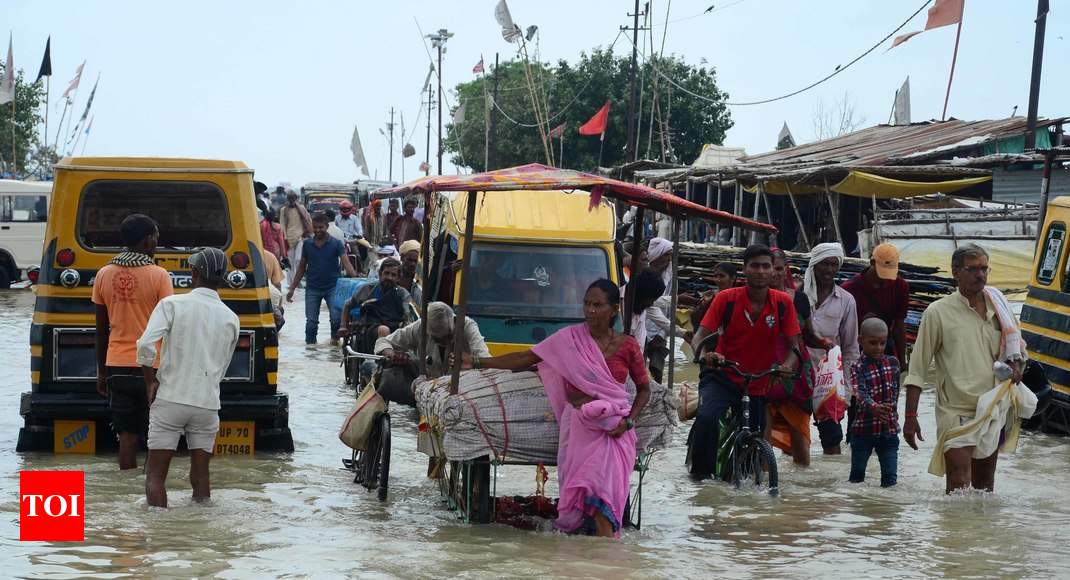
875	382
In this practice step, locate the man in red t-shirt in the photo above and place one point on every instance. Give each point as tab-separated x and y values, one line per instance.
749	320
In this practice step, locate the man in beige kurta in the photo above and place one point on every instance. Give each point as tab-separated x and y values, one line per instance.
958	342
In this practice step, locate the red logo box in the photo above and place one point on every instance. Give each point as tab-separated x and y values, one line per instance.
52	506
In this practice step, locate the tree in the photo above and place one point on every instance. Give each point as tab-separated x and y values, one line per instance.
28	99
573	93
839	119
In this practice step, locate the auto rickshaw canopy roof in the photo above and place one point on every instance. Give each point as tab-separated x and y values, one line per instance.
152	164
538	177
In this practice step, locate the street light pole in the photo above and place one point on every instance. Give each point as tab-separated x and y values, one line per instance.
438	40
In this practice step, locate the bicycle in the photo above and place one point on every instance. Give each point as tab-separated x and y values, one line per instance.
742	454
371	467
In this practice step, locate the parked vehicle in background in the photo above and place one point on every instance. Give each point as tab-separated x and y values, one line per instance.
197	203
23	215
323	196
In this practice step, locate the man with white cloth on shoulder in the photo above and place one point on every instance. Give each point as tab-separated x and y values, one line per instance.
199	333
968	334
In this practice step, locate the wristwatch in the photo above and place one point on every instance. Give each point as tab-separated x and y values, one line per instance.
629	423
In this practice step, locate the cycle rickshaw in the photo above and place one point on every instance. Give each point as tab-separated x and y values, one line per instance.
466	482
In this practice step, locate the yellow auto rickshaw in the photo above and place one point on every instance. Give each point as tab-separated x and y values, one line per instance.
196	203
533	255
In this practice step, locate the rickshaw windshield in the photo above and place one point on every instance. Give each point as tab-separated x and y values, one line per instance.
190	214
531	282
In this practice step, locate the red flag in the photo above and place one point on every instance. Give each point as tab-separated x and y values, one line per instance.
558	131
479	67
943	13
597	124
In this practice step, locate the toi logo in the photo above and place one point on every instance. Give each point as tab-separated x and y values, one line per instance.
52	506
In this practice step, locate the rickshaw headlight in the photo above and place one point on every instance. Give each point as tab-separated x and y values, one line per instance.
237	279
70	278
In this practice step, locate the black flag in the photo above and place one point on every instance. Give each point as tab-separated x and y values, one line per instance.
46	62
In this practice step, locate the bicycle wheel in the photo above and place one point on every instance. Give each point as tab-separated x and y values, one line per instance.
753	460
371	456
384	455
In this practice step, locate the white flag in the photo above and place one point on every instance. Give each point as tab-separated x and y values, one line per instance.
7	85
510	31
902	104
74	82
458	114
427	81
358	152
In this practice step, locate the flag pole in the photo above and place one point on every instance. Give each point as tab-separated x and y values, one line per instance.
601	142
14	97
48	93
954	57
561	155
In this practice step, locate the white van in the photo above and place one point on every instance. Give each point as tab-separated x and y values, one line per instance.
23	213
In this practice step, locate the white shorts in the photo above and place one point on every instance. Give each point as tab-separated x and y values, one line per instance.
168	421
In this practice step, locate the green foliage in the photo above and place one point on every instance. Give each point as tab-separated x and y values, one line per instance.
596	77
28	98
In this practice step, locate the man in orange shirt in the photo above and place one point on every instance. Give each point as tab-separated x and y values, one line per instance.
125	293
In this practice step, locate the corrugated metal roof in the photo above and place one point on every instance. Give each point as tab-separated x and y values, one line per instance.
1024	186
916	143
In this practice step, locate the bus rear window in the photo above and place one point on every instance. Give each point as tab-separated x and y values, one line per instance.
532	282
190	214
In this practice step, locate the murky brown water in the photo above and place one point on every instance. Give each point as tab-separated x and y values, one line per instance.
299	514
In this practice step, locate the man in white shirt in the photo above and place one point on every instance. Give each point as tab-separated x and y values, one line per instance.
199	334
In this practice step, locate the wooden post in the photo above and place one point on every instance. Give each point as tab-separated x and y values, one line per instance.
752	237
834	210
425	298
736	230
672	309
461	310
768	212
717	226
798	217
689	194
629	290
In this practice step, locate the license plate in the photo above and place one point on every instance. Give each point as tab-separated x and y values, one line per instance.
74	437
235	438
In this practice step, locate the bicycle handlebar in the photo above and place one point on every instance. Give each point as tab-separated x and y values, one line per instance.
353	353
734	367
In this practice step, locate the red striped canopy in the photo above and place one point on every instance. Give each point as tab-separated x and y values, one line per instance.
538	177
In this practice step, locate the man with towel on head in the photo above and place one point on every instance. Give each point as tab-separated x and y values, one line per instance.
970	335
401	345
834	319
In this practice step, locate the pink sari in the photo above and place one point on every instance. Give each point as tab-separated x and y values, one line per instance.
593	467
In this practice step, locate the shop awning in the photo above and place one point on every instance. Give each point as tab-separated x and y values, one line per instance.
868	185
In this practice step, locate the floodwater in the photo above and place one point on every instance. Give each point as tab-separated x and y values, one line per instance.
300	515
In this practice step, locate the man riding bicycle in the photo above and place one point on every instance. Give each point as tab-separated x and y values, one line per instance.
395	383
747	321
384	307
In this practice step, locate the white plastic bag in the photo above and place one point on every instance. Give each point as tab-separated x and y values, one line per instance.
831	393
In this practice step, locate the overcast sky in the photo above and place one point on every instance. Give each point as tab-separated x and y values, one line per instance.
280	84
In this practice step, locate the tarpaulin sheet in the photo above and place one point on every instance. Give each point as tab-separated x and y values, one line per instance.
860	184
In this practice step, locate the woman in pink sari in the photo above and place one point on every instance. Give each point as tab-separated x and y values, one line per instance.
584	368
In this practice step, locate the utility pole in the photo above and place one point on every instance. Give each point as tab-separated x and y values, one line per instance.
390	127
427	150
438	40
1034	82
630	153
492	155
